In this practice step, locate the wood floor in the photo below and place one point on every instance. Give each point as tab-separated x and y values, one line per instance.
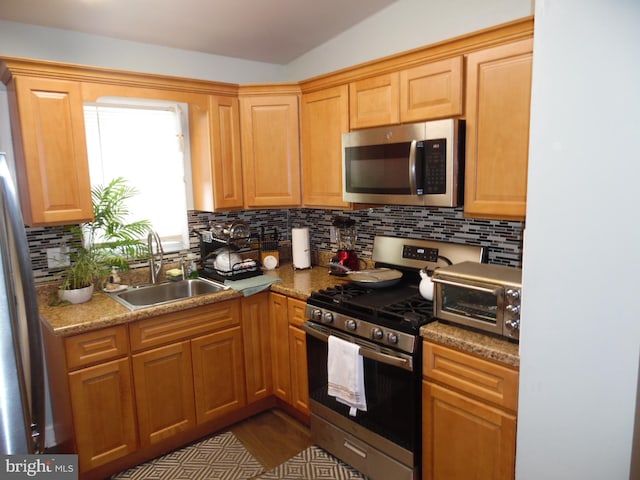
272	437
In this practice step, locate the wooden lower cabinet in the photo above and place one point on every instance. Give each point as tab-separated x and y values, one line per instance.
289	352
163	379
468	418
257	346
465	438
100	394
218	374
280	361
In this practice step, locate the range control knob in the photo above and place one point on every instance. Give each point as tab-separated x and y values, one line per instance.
316	315
351	325
377	333
513	293
392	338
327	317
513	309
514	323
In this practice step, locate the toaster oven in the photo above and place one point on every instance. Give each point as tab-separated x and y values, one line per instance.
479	296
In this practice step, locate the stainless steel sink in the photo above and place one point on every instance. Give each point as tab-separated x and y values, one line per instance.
152	295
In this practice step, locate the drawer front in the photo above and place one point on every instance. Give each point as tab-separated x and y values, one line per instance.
475	376
189	323
97	346
296	311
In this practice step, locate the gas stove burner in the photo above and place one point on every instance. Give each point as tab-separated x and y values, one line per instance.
415	304
341	293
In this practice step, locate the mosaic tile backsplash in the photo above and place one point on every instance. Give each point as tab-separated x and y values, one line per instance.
501	239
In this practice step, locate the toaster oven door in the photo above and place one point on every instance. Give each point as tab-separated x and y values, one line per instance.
476	305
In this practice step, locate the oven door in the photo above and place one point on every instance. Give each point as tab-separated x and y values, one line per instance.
392	391
472	304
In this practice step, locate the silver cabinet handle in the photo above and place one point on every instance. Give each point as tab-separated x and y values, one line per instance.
350	446
492	290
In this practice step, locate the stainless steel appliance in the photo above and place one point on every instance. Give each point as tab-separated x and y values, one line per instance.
345	258
22	387
480	296
410	164
385	441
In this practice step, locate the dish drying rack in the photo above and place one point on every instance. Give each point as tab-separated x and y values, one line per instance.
211	247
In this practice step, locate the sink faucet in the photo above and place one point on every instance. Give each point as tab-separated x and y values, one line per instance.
154	267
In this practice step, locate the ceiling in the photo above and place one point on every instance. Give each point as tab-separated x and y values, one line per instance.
272	31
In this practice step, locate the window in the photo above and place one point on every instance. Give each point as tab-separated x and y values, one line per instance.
147	143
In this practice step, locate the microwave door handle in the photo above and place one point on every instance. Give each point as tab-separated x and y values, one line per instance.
493	291
412	167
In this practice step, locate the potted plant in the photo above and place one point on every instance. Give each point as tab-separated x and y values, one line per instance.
103	243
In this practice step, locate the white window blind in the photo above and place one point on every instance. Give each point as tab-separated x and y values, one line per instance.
144	143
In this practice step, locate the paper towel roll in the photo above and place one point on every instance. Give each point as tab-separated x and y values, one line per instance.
300	250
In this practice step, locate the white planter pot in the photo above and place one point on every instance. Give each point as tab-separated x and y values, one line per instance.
79	295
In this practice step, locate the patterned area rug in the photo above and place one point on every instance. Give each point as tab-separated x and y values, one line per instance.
313	464
221	457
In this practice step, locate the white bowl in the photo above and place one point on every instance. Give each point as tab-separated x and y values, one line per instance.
225	261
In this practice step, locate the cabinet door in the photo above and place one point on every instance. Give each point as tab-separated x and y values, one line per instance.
51	151
433	90
298	355
103	412
218	374
280	346
325	117
163	380
497	109
216	162
374	101
270	151
464	438
226	156
299	375
257	346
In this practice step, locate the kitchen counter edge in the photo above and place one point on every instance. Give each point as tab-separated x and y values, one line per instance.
478	344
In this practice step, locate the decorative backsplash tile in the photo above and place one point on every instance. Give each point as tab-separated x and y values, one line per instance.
502	239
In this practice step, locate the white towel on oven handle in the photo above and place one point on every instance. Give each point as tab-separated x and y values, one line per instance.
345	372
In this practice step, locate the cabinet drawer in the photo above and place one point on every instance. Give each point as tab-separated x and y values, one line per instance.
295	311
176	326
472	375
97	346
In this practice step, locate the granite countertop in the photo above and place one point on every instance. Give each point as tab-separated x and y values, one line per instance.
478	344
102	311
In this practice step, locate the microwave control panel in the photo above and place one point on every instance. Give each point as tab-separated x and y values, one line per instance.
435	159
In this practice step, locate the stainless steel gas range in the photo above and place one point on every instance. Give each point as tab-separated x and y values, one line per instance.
383	441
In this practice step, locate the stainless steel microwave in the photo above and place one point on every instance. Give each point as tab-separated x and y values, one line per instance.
410	164
481	296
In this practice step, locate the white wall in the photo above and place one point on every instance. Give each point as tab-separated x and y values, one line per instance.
581	327
405	25
29	41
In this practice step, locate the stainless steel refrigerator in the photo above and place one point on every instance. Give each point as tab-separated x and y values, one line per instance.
22	387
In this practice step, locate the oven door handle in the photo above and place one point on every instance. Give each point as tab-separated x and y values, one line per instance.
493	291
400	362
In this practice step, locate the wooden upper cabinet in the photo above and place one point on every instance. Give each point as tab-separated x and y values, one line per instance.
47	120
497	147
270	150
216	159
374	101
325	117
226	156
432	90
